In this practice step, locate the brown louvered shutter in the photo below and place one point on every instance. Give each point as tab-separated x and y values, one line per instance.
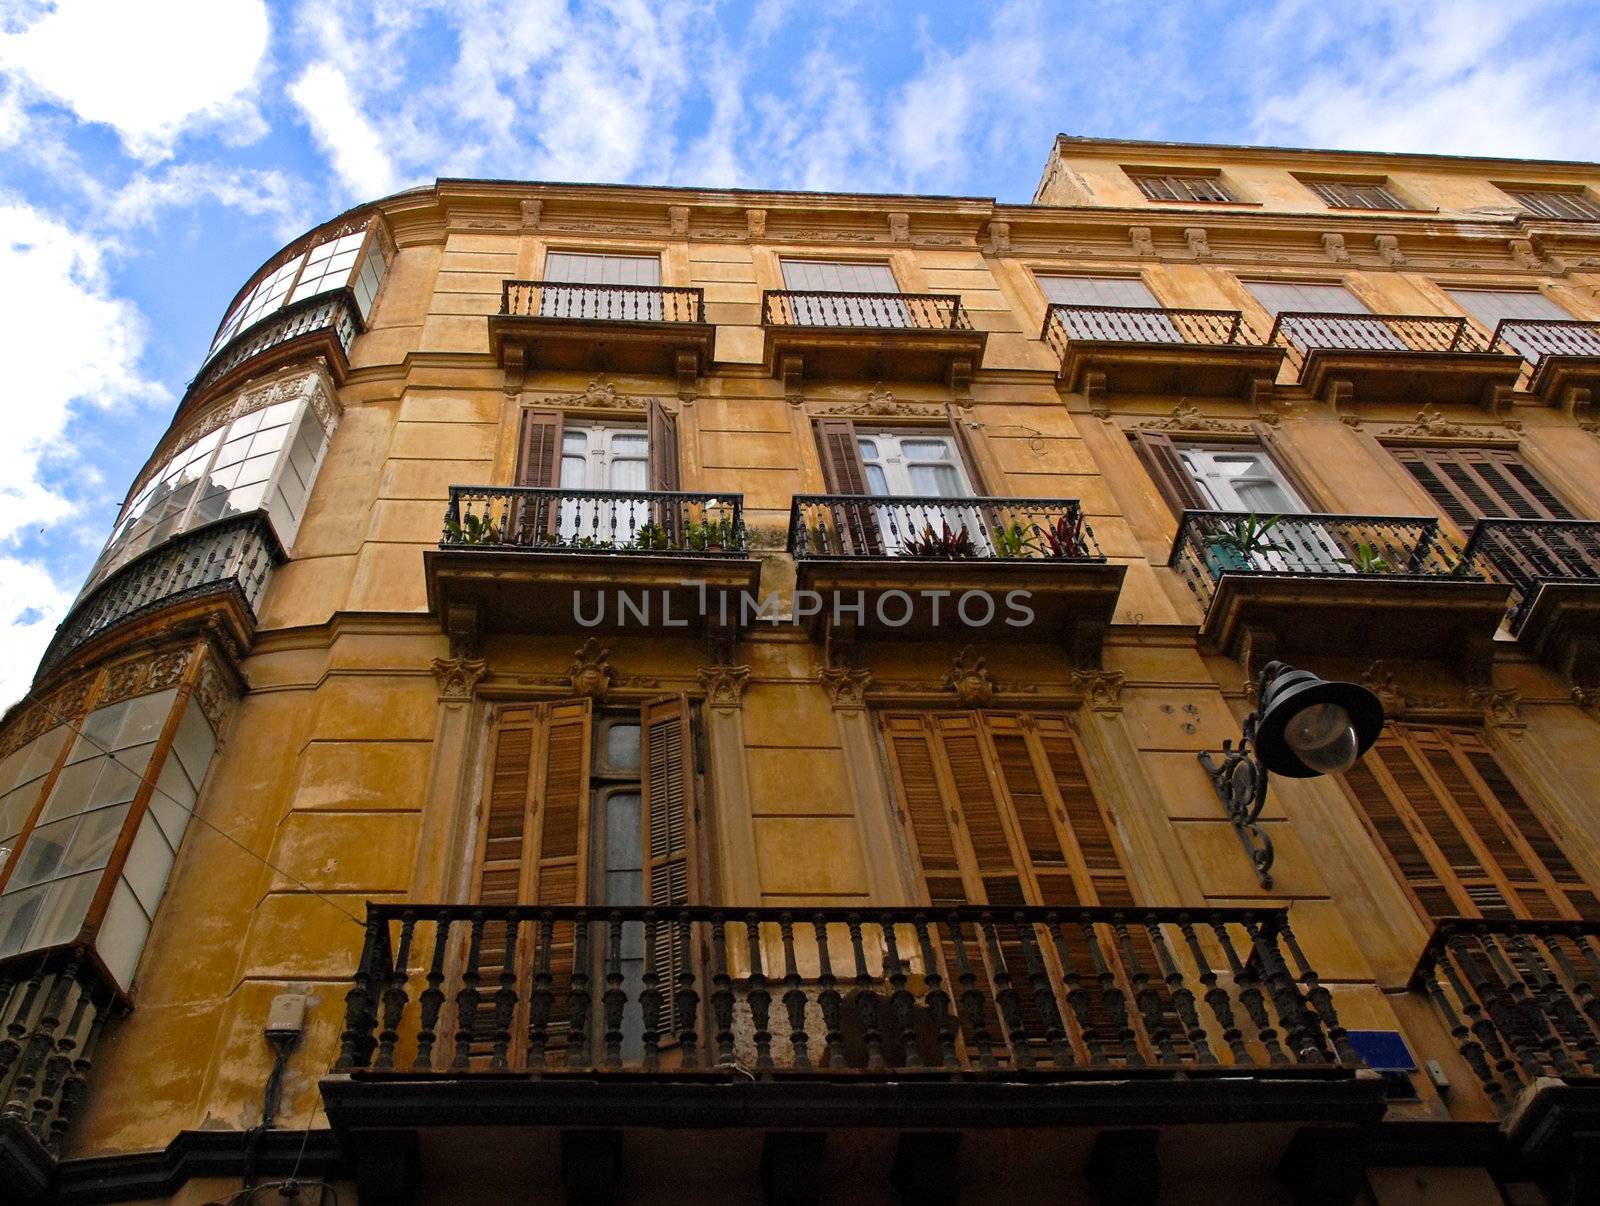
841	457
967	447
926	815
1481	483
539	449
1458	833
1167	470
666	757
662	427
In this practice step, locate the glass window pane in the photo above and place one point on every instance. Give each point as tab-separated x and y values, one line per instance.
630	443
42	855
926	449
117	783
574	472
629	475
149	863
877	483
194	743
65	906
92	841
625	887
122	935
18	912
936	481
624	833
622	747
144	718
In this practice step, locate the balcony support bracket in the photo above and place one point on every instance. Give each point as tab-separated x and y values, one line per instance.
792	370
686	365
388	1167
1324	1166
1124	1168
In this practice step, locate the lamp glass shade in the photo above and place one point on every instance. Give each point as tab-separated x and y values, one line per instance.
1310	726
1323	737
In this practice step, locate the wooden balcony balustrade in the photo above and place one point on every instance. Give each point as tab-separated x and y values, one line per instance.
1144	349
463	990
869	336
1519	997
1316	583
1558	355
654	329
233	557
1420	358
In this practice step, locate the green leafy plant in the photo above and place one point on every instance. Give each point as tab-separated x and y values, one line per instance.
1367	559
471	529
707	536
943	545
1013	541
1246	536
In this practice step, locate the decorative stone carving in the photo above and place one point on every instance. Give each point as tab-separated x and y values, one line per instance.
1102	689
1585	697
597	395
1379	679
591	673
458	676
1000	237
604	228
899	227
143	675
532	207
678	221
755	223
1501	709
847	689
166	669
1333	247
968	677
1430	422
724	685
213	696
1199	245
1186	416
881	401
1523	254
1143	244
1389	250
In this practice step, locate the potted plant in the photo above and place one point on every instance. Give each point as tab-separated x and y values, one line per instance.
1013	541
944	545
1064	537
1239	540
1366	559
470	529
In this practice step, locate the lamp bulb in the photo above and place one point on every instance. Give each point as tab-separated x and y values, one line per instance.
1323	737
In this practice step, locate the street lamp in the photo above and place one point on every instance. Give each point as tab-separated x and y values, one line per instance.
1303	726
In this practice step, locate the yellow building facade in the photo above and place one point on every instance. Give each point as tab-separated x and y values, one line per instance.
635	694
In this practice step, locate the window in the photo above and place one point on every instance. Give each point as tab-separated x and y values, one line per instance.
1297	298
1521	318
263	460
1196	187
1354	194
1240	479
1098	294
328	265
1570	203
826	276
584	268
596	271
1468	484
1457	832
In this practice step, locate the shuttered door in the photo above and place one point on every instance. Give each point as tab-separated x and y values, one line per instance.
1481	483
667	760
856	527
1166	468
1000	811
538	465
1458	833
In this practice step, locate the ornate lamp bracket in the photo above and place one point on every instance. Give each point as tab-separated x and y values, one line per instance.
1241	784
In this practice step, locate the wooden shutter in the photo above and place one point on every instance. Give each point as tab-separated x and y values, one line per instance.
666	758
539	449
841	457
967	449
1481	483
662	427
1456	831
1167	470
923	808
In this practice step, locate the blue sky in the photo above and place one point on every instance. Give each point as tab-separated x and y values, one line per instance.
154	152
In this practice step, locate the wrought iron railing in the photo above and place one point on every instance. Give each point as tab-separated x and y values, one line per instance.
661	522
874	311
1145	324
1538	339
1519	997
1302	333
334	312
55	1009
940	529
1212	543
1530	552
233	554
468	988
602	303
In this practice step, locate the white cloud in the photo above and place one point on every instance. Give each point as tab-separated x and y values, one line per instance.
142	202
31	605
150	70
323	96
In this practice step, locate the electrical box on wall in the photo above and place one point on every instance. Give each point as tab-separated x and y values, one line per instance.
287	1017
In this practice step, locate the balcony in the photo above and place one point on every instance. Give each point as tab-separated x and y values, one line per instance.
1561	356
184	580
1410	358
1367	585
718	1022
1553	566
548	560
1143	350
1518	998
957	560
325	325
869	337
621	328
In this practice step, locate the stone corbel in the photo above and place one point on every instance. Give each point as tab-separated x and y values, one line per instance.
960	379
724	685
1143	244
532	211
755	223
1498	401
1523	254
1501	709
1094	393
514	355
1199	245
1389	250
1000	237
686	365
1102	689
1339	393
458	676
1258	393
463	625
899	227
678	221
792	370
847	689
1578	403
1333	246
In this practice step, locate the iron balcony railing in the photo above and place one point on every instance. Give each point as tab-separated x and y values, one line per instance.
656	522
1527	553
237	554
602	303
334	312
1537	339
940	529
872	311
1212	543
468	989
1144	324
1519	997
1302	333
